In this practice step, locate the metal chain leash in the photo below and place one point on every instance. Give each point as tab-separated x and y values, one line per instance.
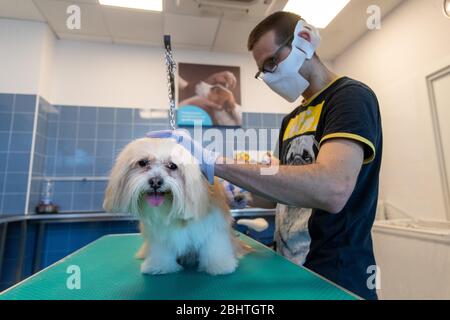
170	68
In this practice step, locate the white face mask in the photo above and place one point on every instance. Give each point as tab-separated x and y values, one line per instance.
286	81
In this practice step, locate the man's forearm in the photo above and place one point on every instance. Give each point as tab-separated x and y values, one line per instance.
260	202
327	184
306	186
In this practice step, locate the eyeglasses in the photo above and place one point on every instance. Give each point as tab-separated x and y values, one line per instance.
270	65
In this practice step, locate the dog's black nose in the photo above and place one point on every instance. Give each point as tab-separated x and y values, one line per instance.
155	182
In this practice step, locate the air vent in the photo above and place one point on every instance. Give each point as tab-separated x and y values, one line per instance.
250	7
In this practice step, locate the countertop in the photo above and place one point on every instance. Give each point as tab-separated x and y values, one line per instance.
236	213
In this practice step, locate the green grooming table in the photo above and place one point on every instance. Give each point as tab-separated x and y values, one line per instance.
108	270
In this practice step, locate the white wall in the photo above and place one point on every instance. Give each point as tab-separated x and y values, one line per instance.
47	62
20	55
413	264
86	73
102	74
413	42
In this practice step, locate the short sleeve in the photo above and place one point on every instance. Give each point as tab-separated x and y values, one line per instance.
277	151
353	114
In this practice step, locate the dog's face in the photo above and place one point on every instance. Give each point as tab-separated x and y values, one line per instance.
159	179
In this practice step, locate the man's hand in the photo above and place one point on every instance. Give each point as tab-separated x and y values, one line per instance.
206	158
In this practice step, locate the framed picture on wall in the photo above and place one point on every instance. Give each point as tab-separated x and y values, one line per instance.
209	95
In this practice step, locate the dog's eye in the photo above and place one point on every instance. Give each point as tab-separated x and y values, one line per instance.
143	163
172	166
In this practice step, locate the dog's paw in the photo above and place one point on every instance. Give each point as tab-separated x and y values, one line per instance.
142	252
220	268
148	267
139	255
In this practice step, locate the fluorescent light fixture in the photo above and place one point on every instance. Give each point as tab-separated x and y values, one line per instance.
319	13
447	8
151	5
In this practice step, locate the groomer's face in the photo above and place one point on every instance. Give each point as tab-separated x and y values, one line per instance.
266	48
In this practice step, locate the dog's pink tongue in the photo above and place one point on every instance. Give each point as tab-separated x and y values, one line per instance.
154	199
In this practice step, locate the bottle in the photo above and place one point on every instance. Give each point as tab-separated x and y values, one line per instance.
46	204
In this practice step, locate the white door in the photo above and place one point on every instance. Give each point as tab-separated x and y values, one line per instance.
439	87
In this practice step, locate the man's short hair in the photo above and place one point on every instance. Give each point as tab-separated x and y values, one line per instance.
283	23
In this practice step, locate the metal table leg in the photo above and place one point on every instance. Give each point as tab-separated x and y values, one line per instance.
38	248
22	250
4	230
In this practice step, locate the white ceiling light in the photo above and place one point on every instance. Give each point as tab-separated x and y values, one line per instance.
447	8
319	13
151	5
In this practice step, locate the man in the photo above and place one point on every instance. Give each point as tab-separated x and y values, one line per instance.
330	155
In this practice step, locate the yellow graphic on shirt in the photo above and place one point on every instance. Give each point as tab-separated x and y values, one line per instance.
305	121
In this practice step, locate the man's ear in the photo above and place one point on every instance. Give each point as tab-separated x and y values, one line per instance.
305	35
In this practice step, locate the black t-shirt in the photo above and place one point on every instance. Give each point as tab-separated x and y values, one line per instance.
336	246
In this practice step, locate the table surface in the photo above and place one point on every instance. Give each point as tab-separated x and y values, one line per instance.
108	270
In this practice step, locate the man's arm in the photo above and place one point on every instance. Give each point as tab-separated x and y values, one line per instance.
326	184
259	202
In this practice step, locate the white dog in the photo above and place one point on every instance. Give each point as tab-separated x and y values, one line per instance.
184	219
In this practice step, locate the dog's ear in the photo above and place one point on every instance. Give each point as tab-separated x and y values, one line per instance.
110	197
115	197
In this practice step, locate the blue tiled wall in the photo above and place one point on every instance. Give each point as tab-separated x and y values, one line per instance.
84	141
17	114
267	127
72	141
39	155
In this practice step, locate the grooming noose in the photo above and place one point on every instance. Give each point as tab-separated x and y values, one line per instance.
170	68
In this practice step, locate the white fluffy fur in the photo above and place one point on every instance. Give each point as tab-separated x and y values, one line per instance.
193	220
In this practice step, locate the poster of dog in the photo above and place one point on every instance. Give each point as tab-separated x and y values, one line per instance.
209	95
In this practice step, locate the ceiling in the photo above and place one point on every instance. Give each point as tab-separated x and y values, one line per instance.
190	23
